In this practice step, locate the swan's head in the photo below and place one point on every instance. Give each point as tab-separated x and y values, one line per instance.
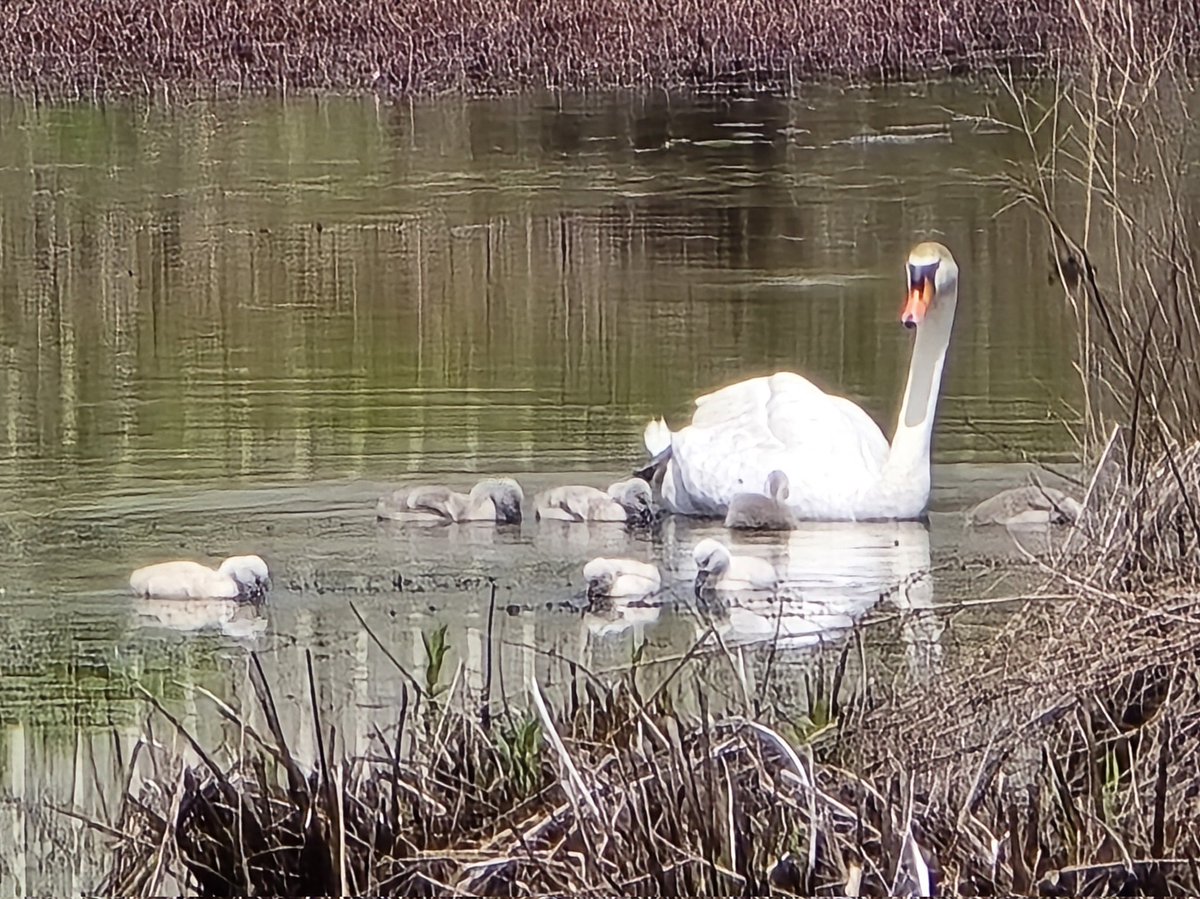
777	485
711	557
932	275
635	497
251	574
506	495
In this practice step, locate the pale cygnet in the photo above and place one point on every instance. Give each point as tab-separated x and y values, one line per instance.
754	511
719	569
630	501
238	577
620	578
492	499
1032	505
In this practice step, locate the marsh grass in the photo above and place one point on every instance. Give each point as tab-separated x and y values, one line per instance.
87	47
988	783
1110	173
1059	761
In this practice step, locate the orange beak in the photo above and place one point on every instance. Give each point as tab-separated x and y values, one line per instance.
919	298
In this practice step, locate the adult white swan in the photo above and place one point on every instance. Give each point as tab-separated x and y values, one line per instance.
838	463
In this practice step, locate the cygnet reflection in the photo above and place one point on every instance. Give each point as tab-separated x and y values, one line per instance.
240	620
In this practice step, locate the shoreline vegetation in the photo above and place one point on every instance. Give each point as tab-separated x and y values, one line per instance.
1060	761
89	48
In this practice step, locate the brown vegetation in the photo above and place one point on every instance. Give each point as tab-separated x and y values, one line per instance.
422	46
1060	763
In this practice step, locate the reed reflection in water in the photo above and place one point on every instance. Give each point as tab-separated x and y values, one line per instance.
231	325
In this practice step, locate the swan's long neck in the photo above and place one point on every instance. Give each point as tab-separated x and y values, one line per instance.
906	473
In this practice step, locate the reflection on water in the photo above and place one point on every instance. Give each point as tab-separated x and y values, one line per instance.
232	618
229	326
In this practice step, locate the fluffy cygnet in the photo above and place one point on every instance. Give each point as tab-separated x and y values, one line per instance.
755	511
620	578
721	570
1030	505
629	500
239	577
492	499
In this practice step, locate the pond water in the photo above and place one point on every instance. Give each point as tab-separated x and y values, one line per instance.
227	326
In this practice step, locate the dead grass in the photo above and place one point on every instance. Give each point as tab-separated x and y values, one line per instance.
1059	762
1071	774
85	47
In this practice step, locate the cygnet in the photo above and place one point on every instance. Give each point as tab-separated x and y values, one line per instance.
755	511
616	578
719	569
238	577
492	499
1032	505
629	501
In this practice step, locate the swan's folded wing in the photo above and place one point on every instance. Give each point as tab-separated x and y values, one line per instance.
827	445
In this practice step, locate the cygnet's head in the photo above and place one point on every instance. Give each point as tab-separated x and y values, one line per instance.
507	496
251	575
711	557
777	485
932	276
1070	509
600	575
635	497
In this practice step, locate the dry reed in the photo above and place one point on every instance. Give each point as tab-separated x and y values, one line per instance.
87	47
1060	762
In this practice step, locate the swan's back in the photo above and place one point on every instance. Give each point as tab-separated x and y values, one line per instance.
826	445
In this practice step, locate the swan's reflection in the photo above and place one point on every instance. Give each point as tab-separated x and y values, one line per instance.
240	620
831	575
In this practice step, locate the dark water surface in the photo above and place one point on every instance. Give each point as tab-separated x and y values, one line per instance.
228	326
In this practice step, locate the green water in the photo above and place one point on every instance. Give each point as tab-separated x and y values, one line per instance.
228	326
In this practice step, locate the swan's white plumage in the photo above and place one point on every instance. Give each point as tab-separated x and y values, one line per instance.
823	443
838	462
657	437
